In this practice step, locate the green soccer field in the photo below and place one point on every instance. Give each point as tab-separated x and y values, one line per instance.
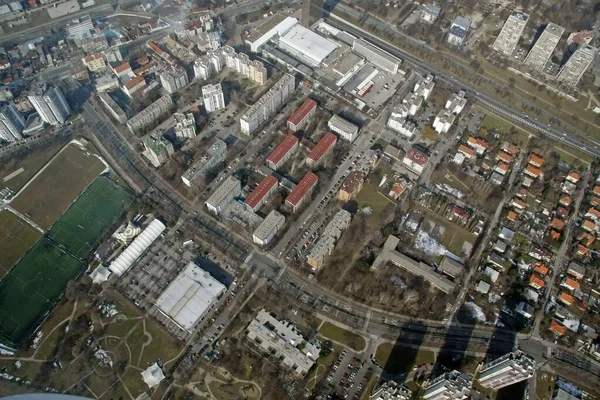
32	287
80	227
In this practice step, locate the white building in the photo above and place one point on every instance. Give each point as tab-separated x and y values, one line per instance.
12	123
507	370
376	56
51	105
306	45
214	155
543	48
157	149
424	87
573	70
213	97
347	130
443	121
266	106
458	31
80	28
221	196
391	390
268	228
150	114
449	386
277	31
189	297
511	32
456	102
430	12
185	125
174	79
243	65
209	64
141	243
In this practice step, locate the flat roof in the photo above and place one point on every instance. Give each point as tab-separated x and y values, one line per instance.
326	142
261	191
417	156
282	149
190	296
303	187
265	228
302	111
309	43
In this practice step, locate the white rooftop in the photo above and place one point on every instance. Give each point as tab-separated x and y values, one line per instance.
309	43
153	375
190	296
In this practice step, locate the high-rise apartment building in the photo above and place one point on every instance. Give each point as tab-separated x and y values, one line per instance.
543	48
577	64
507	370
12	123
150	114
511	32
254	70
185	125
50	104
157	149
312	11
174	79
213	97
210	63
449	386
266	106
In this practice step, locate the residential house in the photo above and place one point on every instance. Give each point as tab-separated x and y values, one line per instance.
582	250
480	145
492	273
504	157
573	177
532	171
512	216
588	225
519	204
482	287
576	270
541	269
557	224
467	151
566	298
557	328
536	281
565	200
570	284
536	160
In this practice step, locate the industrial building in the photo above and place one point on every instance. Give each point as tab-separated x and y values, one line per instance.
157	149
174	79
50	104
189	297
573	70
282	152
243	65
351	186
12	123
150	114
282	341
450	385
543	48
113	108
329	238
312	11
213	156
321	150
80	28
221	196
276	31
261	194
511	32
458	31
507	370
346	129
139	245
306	45
266	106
268	228
302	191
185	125
301	115
376	56
213	97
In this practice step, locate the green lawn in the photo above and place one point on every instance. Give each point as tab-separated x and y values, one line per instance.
544	382
342	336
369	196
16	237
493	121
399	359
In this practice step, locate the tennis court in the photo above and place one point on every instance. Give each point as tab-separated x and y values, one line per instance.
32	287
16	237
80	227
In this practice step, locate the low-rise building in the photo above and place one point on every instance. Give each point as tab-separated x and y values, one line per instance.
430	12
268	228
222	195
157	149
302	115
282	152
351	186
451	267
458	31
576	270
261	193
213	156
415	160
480	145
347	130
94	62
134	85
302	191
321	150
391	390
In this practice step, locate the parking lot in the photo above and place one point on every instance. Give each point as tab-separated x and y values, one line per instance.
347	375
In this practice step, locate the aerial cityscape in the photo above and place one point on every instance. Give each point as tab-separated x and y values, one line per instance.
285	199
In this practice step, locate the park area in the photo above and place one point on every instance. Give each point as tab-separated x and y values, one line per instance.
16	237
342	336
53	189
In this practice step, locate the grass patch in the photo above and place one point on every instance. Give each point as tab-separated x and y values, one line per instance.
163	345
132	379
398	359
369	196
454	236
492	121
342	336
544	382
16	237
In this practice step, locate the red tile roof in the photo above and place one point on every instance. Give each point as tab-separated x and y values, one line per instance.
504	157
533	170
417	156
282	149
130	84
541	269
302	188
536	160
122	67
566	298
557	224
466	150
571	283
155	47
536	281
302	111
328	141
557	328
264	187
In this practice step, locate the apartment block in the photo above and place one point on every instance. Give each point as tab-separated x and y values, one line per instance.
222	195
302	191
261	194
507	370
346	129
150	114
458	31
301	115
213	156
351	186
241	63
329	238
449	386
94	62
157	149
321	150
282	152
12	123
511	32
573	70
112	107
50	104
213	97
543	48
268	228
174	79
266	106
185	125
209	64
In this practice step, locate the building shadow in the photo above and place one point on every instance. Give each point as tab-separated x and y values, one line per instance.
457	348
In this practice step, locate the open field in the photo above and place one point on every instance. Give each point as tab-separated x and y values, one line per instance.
454	237
398	359
51	192
342	336
79	228
544	382
369	196
16	237
32	287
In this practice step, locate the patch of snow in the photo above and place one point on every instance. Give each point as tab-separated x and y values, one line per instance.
108	310
476	311
398	282
450	190
412	225
18	364
37	339
429	245
367	210
5	352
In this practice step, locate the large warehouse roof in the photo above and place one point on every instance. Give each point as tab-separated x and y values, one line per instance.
137	247
190	296
308	43
278	29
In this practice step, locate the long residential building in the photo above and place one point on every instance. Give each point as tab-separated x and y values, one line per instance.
12	123
543	48
50	104
209	64
268	228
376	56
321	150
573	70
301	115
346	129
241	63
214	155
150	114
222	195
511	32
302	191
266	106
112	107
213	97
261	194
507	370
282	152
329	238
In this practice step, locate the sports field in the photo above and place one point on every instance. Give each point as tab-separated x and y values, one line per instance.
80	227
32	287
51	192
16	237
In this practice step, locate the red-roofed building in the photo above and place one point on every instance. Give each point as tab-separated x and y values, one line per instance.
123	69
595	201
541	269
557	224
504	156
467	151
566	200
282	152
566	298
573	177
133	85
261	194
480	145
94	62
302	114
302	191
557	328
582	250
593	213
512	216
597	190
324	147
351	186
570	283
536	281
536	160
532	171
155	48
415	160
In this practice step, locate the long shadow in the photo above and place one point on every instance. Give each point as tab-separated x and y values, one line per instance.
406	354
454	352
